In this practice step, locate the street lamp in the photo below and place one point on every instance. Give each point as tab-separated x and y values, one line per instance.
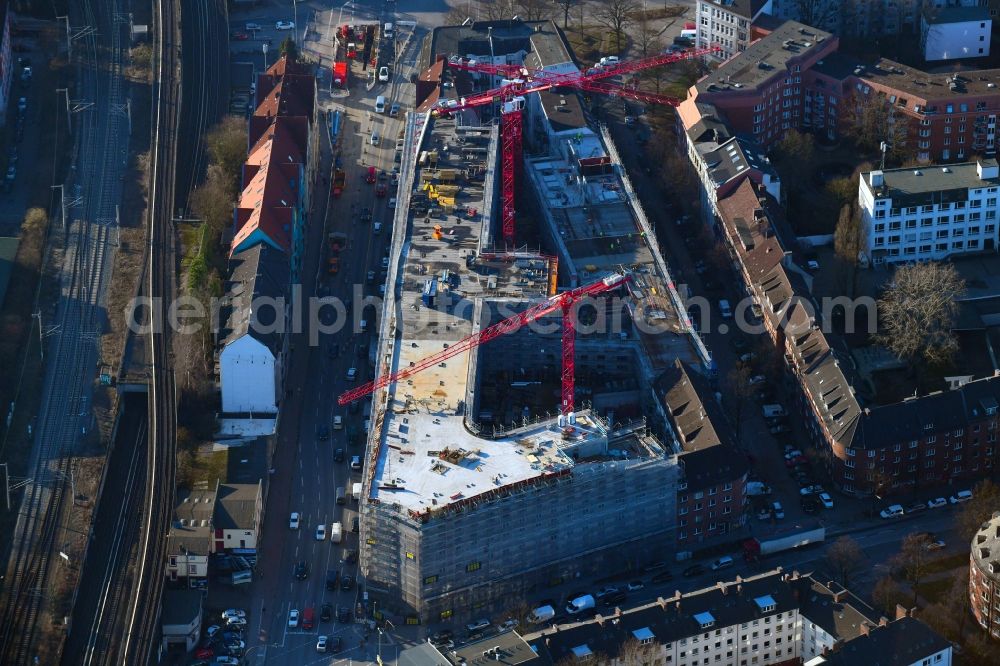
264	47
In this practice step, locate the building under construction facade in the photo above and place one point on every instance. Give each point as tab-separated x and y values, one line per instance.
474	498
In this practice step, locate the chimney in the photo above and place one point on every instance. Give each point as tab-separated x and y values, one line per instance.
987	169
758	214
876	178
839	595
599	619
724	588
883	621
865	628
901	611
662	602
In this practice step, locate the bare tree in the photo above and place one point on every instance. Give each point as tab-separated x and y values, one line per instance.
872	119
634	653
913	560
533	10
848	243
917	311
887	594
566	6
985	500
795	149
823	14
647	37
948	616
845	557
737	397
616	15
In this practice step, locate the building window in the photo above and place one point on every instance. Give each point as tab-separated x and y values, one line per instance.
428	580
473	566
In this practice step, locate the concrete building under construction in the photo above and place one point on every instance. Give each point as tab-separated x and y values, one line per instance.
473	496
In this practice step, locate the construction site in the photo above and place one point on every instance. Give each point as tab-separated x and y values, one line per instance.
510	381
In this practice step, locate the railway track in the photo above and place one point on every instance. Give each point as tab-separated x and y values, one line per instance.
141	625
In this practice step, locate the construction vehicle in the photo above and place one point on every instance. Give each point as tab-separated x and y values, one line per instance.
339	180
797	537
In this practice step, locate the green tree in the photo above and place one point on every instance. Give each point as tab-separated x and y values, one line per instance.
289	48
226	143
917	312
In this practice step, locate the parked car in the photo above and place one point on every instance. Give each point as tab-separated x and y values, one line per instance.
694	570
960	496
892	511
811	490
284	25
325	612
936	503
779	512
212	630
321	644
293	619
635	585
826	500
301	570
233	612
916	507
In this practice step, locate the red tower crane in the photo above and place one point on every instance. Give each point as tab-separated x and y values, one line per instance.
521	81
563	302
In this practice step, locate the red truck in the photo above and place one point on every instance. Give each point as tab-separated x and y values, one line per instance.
339	180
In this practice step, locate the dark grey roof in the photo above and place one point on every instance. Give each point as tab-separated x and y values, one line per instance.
181	606
513	651
563	110
935	15
924	180
547	46
706	468
901	643
675	618
766	58
191	528
260	272
836	65
710	127
735	157
236	506
837	611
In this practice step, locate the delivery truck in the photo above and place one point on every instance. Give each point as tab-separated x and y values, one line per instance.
356	492
337	533
796	537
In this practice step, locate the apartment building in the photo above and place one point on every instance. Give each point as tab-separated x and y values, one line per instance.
726	24
771	618
929	213
794	78
950	33
760	91
711	500
984	576
940	438
723	161
189	539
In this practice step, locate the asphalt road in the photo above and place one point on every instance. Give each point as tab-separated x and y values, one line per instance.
306	478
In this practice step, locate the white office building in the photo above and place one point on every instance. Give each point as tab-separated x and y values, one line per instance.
726	24
929	213
950	33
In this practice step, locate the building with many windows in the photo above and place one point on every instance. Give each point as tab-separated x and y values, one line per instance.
931	213
984	576
771	618
726	24
793	77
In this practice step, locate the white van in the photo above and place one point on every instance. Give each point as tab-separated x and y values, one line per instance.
773	411
380	104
